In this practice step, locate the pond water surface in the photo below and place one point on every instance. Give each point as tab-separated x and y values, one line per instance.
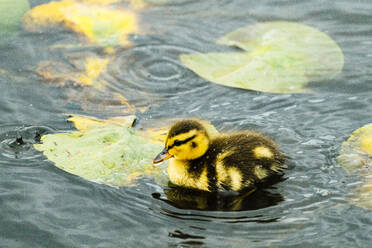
43	206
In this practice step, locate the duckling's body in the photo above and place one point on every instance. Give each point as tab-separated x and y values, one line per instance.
235	161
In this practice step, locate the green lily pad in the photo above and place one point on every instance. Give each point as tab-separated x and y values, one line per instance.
247	71
11	13
356	158
112	154
279	57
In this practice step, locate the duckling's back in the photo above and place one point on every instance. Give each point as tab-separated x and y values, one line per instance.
243	160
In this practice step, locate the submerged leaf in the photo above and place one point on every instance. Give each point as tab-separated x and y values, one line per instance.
56	72
99	23
59	72
101	2
94	67
356	157
11	13
280	57
111	154
85	70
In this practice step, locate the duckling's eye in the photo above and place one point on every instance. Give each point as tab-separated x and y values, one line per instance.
177	143
181	142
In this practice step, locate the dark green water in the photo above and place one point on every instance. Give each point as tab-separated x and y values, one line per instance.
42	206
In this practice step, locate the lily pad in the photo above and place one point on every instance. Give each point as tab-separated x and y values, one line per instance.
247	71
279	57
356	157
356	152
362	197
104	152
11	13
97	22
85	123
308	47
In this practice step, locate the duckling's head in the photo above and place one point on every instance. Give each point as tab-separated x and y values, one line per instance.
186	140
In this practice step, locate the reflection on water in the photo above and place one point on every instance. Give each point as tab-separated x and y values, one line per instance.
195	239
42	206
149	73
222	201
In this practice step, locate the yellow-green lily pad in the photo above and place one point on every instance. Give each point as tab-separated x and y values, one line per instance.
247	71
356	152
107	153
362	197
86	123
278	57
356	157
96	21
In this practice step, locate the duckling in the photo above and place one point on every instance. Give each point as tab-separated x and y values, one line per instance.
204	160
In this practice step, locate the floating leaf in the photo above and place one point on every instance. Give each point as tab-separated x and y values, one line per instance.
363	195
85	123
280	57
108	151
246	71
356	157
307	47
11	13
156	135
98	22
110	154
356	152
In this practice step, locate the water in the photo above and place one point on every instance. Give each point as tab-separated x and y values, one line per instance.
43	206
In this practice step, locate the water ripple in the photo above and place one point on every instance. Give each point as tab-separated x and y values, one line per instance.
16	144
151	71
43	206
185	7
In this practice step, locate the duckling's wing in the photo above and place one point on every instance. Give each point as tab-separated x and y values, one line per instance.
255	156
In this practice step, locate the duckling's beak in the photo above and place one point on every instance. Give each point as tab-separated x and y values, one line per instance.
162	156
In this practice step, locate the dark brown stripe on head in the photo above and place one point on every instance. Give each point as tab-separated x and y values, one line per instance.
184	126
181	142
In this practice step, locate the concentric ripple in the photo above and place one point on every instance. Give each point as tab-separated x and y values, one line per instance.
16	144
151	71
184	7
